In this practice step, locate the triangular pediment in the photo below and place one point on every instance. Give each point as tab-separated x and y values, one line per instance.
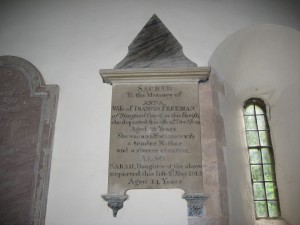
155	47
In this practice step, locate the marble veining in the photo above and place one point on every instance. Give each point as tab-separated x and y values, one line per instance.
155	47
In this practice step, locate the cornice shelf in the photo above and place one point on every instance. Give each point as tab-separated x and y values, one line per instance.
113	76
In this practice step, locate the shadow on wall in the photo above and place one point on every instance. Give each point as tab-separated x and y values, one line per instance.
261	61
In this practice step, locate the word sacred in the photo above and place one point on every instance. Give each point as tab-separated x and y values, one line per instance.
155	88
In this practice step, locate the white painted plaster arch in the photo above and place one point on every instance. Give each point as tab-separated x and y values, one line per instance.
257	59
261	61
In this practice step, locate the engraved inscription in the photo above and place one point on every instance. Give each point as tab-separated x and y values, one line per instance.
155	137
19	125
27	116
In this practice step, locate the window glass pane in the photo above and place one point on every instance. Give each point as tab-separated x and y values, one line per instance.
266	155
249	110
259	191
271	191
252	138
261	123
265	193
258	110
261	209
268	173
264	140
254	155
256	172
250	123
273	208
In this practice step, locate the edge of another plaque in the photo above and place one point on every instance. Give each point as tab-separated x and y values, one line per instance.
50	95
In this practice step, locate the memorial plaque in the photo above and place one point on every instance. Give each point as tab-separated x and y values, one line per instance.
27	115
155	137
155	130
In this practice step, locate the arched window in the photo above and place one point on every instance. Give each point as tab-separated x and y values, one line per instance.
261	160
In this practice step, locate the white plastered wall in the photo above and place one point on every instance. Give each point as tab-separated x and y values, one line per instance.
69	41
262	61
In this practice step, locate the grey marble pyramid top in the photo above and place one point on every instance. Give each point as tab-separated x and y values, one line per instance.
155	47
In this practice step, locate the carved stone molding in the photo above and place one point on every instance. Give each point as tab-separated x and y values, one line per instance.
195	204
112	76
115	202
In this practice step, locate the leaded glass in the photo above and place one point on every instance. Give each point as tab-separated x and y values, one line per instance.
261	123
261	160
255	156
263	137
261	209
259	191
252	137
249	110
258	110
266	155
273	209
271	191
257	174
250	123
268	173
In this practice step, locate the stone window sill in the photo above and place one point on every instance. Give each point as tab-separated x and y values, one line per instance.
279	221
